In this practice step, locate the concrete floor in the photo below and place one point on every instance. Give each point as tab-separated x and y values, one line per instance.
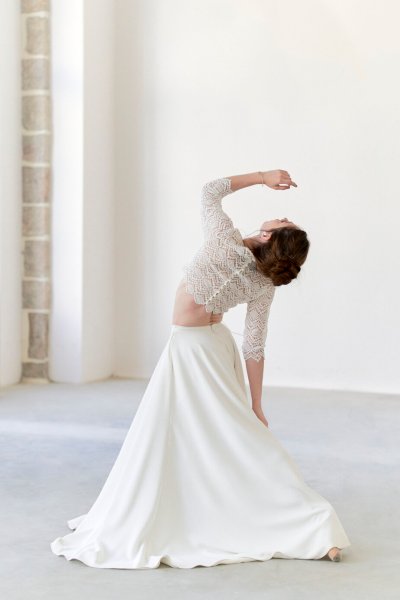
59	441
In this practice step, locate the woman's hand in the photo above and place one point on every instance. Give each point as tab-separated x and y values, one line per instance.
260	415
278	179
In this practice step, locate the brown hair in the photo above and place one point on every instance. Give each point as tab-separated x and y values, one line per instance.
281	257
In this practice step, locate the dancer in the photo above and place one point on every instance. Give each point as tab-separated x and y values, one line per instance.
200	479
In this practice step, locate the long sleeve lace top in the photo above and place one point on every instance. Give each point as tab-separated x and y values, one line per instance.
223	272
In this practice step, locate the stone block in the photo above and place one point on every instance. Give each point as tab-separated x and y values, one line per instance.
38	335
36	294
37	35
35	370
36	184
35	74
36	148
35	220
36	112
28	6
36	258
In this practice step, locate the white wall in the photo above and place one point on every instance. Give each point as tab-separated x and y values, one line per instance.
65	360
83	183
137	318
10	193
98	191
208	89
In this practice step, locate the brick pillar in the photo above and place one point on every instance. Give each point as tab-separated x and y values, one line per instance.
36	173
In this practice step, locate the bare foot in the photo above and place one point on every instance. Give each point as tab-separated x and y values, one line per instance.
334	554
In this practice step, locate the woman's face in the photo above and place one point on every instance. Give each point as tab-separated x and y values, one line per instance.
266	228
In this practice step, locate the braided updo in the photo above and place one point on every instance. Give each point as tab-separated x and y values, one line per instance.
280	258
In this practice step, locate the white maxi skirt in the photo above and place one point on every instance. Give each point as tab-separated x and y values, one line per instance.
199	479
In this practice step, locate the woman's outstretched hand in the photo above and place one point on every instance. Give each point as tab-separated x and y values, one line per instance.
261	416
278	179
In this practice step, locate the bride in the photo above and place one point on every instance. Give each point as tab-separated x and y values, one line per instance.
200	479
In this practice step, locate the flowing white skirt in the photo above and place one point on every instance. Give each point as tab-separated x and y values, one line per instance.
199	479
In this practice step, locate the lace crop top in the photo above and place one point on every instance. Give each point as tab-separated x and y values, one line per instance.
223	272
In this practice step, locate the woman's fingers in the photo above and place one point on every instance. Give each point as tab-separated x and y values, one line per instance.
278	179
285	178
289	182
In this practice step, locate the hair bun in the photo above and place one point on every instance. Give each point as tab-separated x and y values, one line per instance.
281	257
284	270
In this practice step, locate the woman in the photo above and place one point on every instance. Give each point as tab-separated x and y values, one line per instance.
200	480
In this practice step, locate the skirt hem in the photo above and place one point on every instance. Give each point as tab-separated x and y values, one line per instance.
166	559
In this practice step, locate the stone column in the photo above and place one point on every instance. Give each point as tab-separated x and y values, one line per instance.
36	172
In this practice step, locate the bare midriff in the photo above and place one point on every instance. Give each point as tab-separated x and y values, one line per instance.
187	312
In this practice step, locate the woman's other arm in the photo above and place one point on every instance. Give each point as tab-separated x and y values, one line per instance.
253	346
255	372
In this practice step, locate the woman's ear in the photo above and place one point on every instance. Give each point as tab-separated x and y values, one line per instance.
265	235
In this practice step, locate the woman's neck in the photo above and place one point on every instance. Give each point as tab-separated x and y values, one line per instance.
250	243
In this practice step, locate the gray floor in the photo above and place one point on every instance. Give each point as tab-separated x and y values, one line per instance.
58	443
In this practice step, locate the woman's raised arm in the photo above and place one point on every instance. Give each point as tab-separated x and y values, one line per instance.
277	179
